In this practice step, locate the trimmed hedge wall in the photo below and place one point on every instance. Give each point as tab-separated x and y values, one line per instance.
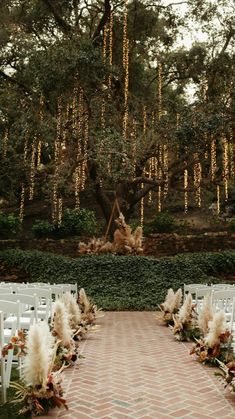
122	282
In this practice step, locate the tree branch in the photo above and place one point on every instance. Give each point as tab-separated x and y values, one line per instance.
65	27
104	19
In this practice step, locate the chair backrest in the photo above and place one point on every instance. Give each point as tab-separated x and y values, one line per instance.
4	290
2	360
223	299
11	308
43	295
191	288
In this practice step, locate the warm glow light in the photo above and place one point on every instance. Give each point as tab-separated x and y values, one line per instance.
22	199
142	208
32	172
125	61
225	166
197	177
213	158
5	142
185	191
218	199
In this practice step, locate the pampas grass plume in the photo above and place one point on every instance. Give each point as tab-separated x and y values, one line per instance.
84	300
217	326
177	299
61	324
185	311
72	308
37	361
206	314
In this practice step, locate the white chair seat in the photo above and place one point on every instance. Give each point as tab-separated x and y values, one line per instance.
24	322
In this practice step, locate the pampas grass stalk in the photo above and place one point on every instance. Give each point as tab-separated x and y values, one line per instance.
206	314
37	362
72	308
177	300
217	326
185	312
61	326
84	301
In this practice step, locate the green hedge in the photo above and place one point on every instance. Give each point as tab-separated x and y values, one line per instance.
122	282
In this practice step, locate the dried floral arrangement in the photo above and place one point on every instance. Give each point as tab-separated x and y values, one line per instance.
227	373
89	310
171	305
185	322
66	348
216	343
41	388
125	241
17	343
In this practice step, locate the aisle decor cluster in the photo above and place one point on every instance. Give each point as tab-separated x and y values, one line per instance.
181	318
47	350
215	341
208	329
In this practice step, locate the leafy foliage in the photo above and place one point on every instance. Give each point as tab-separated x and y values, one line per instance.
122	282
162	223
74	223
9	224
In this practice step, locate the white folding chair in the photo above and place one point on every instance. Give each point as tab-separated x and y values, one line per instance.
2	359
44	296
223	300
29	307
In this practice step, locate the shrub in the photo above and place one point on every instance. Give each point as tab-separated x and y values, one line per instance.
231	225
43	228
78	222
122	282
74	223
9	225
162	223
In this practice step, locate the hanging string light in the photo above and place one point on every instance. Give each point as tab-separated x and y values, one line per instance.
77	186
165	169
133	145
86	137
22	200
125	62
218	200
39	148
159	194
79	133
225	166
110	51
152	161
142	208
55	205
197	177
186	191
5	142
60	210
159	112
32	172
213	158
231	156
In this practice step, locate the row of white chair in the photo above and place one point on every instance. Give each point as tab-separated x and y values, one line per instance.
21	305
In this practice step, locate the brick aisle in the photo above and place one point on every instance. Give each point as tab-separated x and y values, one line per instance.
134	369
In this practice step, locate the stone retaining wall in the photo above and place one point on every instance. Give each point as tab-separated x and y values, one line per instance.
156	245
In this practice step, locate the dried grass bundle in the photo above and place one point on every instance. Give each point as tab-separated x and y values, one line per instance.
37	362
217	327
60	325
185	312
73	309
206	314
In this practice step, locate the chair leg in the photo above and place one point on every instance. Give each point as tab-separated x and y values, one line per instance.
3	381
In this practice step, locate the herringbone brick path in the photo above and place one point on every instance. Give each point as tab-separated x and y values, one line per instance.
133	368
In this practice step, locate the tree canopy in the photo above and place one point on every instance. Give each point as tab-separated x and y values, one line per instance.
108	94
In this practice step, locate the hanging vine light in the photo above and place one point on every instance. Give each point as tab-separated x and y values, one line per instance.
231	156
125	62
110	51
22	201
60	210
85	148
218	199
225	166
213	158
166	169
142	208
159	165
197	177
186	191
79	173
159	112
39	147
55	206
5	142
32	172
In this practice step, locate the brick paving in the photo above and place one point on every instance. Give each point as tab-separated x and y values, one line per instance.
133	368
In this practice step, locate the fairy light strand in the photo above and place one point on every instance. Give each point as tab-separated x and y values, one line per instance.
159	109
142	208
197	177
5	142
186	191
225	166
125	61
32	172
218	200
159	193
22	201
213	158
56	163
